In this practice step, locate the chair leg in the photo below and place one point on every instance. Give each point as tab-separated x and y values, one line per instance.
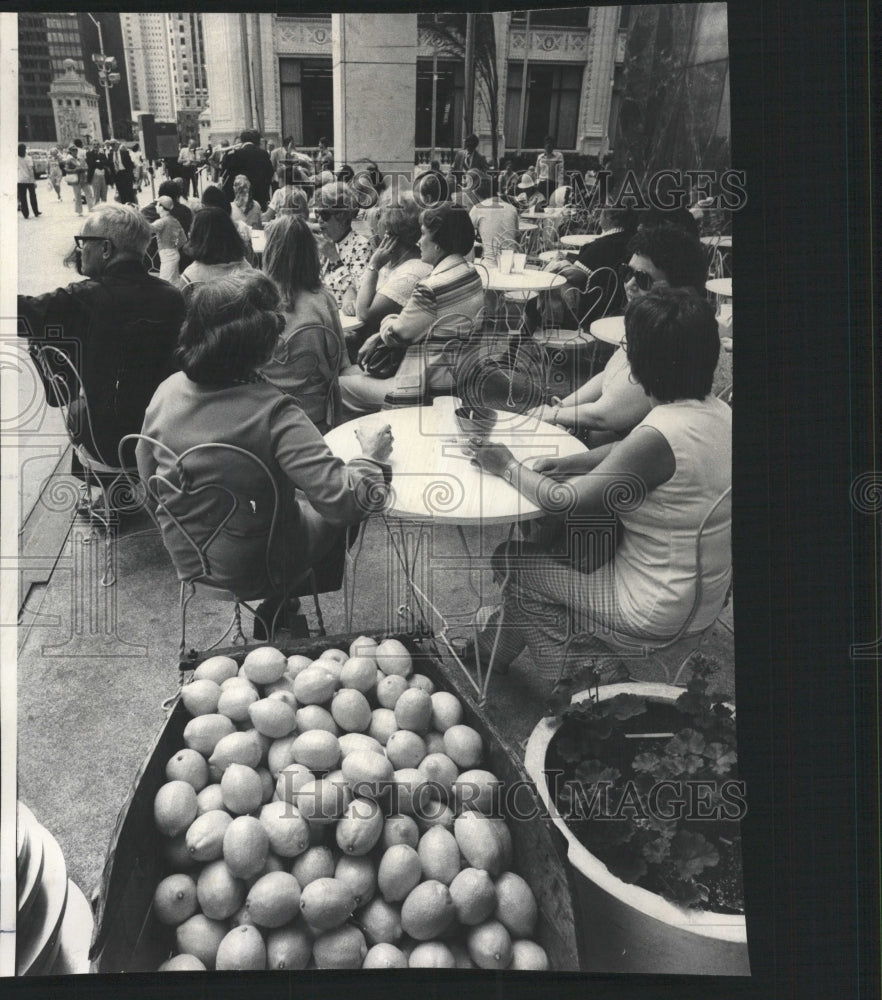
318	607
187	592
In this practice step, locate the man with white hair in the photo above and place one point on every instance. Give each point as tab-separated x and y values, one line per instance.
118	328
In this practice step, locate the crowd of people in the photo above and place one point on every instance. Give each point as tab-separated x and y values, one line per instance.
223	347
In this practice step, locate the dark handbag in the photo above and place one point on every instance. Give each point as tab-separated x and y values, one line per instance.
382	361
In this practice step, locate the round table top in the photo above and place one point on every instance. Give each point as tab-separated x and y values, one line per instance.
520	281
717	241
549	213
433	479
526	227
720	286
610	329
350	322
579	239
549	255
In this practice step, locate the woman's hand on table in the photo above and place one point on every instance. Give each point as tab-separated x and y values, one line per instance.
375	443
348	306
489	457
368	345
544	411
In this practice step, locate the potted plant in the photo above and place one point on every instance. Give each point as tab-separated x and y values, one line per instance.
641	781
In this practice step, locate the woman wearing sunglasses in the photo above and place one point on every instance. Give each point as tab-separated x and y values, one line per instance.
610	404
653	490
345	254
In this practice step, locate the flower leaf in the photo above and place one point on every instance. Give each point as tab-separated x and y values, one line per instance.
691	853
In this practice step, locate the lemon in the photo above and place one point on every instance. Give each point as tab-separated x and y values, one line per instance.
318	750
431	955
174	807
382	725
315	717
241	788
190	766
200	696
219	892
380	921
200	936
464	746
360	828
241	949
410	793
368	774
290	780
237	748
326	903
405	748
360	673
273	899
297	664
400	830
393	658
439	855
205	835
350	710
474	896
314	686
236	700
245	846
264	665
441	772
287	830
174	900
321	801
350	742
342	948
217	669
385	956
359	875
434	813
528	956
314	863
479	790
481	842
516	908
413	710
434	742
182	963
446	711
399	872
490	945
272	717
288	947
428	911
205	731
422	682
390	689
280	754
364	646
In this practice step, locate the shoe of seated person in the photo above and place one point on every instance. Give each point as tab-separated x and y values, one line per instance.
486	618
288	619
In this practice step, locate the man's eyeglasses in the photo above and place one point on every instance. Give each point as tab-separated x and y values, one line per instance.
644	279
81	241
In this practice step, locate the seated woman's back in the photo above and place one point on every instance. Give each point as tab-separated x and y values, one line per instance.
309	356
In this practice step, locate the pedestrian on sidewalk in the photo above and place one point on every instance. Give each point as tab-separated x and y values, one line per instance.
27	185
55	172
170	237
75	170
99	168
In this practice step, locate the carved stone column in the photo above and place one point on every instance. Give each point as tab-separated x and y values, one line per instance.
227	87
597	79
374	60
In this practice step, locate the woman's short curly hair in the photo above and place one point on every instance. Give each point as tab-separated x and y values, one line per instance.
450	227
402	221
337	196
673	250
231	328
672	343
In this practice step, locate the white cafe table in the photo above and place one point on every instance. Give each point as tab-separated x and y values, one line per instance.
720	286
526	227
549	213
350	323
519	281
717	241
579	239
610	329
434	483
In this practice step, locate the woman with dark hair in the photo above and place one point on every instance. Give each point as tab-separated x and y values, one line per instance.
611	403
215	197
672	468
219	397
27	184
216	247
310	352
440	311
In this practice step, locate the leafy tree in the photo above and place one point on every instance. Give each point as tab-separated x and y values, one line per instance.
448	37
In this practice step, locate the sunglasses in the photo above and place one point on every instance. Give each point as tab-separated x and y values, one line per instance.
644	279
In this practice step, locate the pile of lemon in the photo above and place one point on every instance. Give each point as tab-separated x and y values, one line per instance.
333	814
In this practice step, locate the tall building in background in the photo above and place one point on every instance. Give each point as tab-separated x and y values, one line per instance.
145	46
165	59
111	37
36	121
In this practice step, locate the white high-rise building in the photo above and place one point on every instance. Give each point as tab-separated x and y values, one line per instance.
165	62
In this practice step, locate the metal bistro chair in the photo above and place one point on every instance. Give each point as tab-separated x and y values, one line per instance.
311	356
63	381
680	647
197	581
565	345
